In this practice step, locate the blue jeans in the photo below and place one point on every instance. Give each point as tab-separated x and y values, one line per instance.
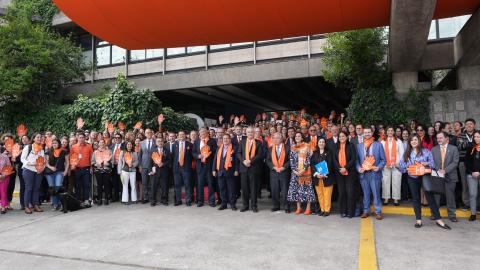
371	185
55	182
33	181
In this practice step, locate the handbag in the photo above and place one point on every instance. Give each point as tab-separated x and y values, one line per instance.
433	183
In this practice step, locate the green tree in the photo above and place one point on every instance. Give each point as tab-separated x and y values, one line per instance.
42	11
34	61
356	60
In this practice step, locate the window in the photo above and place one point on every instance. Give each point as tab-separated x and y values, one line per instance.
241	44
219	46
137	55
118	55
103	56
175	51
432	34
196	49
154	53
451	26
87	56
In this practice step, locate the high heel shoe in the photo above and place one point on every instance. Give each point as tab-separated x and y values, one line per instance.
445	226
299	211
307	212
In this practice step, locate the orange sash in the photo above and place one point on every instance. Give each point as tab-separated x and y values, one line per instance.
247	148
313	143
393	161
278	163
228	160
367	142
342	157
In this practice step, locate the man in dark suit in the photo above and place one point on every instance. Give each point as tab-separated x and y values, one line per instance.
182	169
203	152
332	143
160	173
170	146
279	164
250	157
225	168
446	158
116	147
144	162
238	136
358	139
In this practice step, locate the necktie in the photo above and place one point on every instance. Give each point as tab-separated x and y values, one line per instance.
442	154
148	145
278	152
182	154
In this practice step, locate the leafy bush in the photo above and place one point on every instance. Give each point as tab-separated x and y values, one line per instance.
123	103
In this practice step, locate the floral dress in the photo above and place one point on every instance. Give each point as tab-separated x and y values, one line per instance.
301	188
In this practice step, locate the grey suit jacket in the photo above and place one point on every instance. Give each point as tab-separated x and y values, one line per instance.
451	161
144	160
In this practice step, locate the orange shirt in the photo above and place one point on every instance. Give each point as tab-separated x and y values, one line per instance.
84	153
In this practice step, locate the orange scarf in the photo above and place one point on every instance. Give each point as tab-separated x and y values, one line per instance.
393	161
367	142
228	159
56	152
247	148
278	163
313	143
342	157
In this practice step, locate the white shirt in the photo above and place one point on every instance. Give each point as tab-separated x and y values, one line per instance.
27	157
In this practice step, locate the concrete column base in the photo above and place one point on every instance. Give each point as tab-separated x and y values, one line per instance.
403	82
468	77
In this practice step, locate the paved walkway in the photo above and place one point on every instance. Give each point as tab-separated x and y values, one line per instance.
144	237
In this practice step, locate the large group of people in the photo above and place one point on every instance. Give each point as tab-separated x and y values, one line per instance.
304	165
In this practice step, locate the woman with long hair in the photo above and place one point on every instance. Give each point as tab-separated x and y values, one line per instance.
101	162
322	182
301	189
343	165
4	181
56	169
472	166
127	168
392	177
32	158
414	154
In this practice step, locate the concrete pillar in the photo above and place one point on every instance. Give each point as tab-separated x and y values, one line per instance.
468	77
403	82
409	26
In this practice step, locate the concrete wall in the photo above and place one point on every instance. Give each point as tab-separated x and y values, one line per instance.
455	105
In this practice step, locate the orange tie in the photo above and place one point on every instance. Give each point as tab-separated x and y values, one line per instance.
249	142
443	153
182	155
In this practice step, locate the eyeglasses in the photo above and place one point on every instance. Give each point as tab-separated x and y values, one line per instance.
419	129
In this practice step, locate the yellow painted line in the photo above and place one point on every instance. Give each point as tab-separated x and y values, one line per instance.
408	211
367	256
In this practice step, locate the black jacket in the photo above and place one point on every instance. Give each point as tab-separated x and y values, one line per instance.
317	158
256	161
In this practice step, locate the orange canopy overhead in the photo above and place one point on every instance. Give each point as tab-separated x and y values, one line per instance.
141	24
